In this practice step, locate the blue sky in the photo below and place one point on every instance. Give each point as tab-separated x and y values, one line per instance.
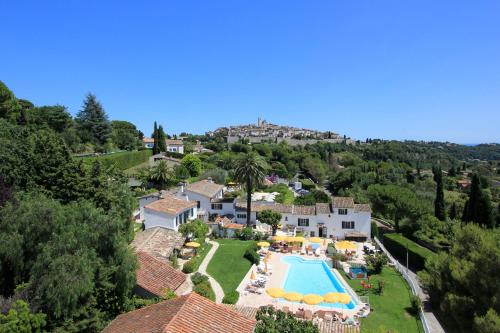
418	69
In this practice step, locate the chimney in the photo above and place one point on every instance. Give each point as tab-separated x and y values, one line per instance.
181	186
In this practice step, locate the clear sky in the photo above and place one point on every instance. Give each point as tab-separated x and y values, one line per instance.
413	69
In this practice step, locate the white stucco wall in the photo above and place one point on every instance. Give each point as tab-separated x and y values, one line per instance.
156	219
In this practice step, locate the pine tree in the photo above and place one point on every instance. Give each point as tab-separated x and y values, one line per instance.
479	207
156	148
162	144
439	206
93	121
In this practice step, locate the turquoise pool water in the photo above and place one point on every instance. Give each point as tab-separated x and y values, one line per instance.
313	277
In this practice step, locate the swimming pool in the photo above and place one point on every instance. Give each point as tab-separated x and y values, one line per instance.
313	277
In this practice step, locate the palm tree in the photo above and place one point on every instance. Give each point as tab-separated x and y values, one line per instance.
160	174
250	171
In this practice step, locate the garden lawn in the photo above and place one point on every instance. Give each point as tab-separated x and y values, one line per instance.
228	266
389	309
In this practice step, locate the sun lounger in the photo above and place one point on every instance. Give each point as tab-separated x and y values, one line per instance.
308	315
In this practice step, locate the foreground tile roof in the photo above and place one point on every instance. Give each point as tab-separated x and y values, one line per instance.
323	208
158	242
173	142
343	202
157	276
170	205
205	187
186	314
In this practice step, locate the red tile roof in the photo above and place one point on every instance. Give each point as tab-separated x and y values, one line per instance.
186	314
172	142
148	140
205	187
343	202
156	276
362	208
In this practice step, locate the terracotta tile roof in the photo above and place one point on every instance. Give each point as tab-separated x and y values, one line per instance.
171	142
343	202
148	140
205	187
158	242
323	208
304	210
170	205
156	276
362	208
260	206
186	314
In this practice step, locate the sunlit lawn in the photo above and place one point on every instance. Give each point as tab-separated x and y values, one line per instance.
389	309
228	266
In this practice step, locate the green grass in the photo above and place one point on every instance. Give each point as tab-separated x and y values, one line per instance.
228	266
285	195
389	309
122	160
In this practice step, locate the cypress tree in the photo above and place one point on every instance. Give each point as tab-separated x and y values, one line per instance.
156	149
472	203
453	211
479	207
439	206
162	145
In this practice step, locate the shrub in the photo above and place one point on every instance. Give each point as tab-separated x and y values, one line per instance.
189	266
231	297
169	294
380	287
417	255
376	263
205	289
259	236
339	257
122	160
245	233
198	278
307	184
416	305
173	261
252	256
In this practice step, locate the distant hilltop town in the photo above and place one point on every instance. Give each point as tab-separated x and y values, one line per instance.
264	131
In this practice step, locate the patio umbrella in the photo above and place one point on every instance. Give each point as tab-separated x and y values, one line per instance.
279	238
312	299
263	244
290	239
276	292
345	245
193	245
344	298
300	239
293	296
331	297
315	240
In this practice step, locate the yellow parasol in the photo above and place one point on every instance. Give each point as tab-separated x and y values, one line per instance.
252	275
263	244
332	297
276	292
300	239
312	299
344	298
279	238
345	245
290	239
193	244
315	240
293	297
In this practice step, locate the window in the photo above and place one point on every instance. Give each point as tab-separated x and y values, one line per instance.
198	204
303	222
191	212
311	233
347	224
217	206
342	211
241	216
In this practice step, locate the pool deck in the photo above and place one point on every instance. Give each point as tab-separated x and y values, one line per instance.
276	280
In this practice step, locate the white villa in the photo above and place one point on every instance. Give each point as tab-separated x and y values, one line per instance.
175	146
341	219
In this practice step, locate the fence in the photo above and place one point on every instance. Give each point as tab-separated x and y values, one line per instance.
401	269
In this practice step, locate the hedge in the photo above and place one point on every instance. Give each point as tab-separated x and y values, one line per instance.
122	160
231	297
396	245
